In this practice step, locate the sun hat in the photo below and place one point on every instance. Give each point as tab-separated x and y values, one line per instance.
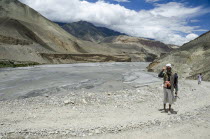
168	65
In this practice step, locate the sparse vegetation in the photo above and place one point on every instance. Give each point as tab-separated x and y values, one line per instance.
10	63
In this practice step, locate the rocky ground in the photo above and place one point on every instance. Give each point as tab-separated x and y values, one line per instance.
111	100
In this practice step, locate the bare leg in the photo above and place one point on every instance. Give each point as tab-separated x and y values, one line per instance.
164	107
169	107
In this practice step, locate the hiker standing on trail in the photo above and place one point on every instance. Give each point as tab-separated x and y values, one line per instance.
170	82
199	78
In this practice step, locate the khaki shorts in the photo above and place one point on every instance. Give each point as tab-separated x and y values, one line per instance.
168	96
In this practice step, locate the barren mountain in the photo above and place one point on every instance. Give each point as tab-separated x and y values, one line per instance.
189	60
139	49
19	22
25	35
89	32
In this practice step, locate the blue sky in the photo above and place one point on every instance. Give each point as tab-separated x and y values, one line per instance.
169	21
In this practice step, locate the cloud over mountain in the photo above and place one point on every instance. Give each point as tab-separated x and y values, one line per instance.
165	22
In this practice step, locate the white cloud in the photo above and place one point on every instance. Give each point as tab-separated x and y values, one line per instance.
122	0
166	22
194	21
151	1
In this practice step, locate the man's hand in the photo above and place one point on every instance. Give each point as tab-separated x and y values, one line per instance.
167	84
164	68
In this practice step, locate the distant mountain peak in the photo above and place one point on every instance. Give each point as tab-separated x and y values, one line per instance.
82	22
88	31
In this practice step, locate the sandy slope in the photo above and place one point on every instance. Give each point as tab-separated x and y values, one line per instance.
129	112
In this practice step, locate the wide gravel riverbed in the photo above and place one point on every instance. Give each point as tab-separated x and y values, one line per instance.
98	100
42	80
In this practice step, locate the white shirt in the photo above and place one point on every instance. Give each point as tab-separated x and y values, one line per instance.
199	77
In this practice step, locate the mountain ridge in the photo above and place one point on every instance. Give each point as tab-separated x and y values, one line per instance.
189	60
24	34
88	31
138	48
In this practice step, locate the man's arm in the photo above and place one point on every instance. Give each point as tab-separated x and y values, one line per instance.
161	74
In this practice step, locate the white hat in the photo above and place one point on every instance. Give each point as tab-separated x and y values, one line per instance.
168	65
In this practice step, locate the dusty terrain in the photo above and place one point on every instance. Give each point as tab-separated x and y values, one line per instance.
109	100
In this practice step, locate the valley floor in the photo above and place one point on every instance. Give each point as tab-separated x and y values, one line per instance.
110	100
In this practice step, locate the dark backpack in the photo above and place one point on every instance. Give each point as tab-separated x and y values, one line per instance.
175	79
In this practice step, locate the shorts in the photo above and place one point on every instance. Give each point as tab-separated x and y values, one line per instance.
168	96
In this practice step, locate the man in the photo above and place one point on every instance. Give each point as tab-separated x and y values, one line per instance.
170	82
199	78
